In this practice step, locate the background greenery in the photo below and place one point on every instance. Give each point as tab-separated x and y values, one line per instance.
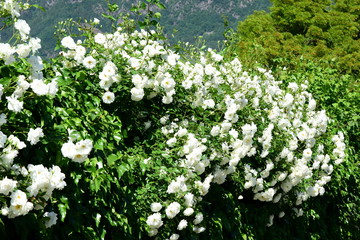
322	30
300	35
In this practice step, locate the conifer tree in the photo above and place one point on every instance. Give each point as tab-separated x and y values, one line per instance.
321	30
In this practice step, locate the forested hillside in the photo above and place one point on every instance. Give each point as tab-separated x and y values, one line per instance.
191	19
205	18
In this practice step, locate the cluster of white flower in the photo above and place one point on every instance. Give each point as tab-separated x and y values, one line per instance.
154	221
7	186
52	219
339	151
39	181
37	85
248	117
108	76
23	28
177	185
35	80
192	159
34	135
76	51
289	124
43	182
149	58
11	146
19	205
78	152
11	7
23	50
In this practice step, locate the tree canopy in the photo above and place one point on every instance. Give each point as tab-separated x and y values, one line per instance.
321	30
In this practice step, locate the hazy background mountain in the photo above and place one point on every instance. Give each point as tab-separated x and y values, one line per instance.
205	17
191	18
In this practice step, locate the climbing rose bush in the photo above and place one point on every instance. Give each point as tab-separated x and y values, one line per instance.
248	124
25	187
187	122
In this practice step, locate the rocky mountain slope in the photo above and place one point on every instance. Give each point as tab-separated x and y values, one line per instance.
190	18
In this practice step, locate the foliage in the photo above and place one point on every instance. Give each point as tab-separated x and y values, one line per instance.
301	40
294	30
122	137
339	95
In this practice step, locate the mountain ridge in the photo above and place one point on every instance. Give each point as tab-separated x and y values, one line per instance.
189	18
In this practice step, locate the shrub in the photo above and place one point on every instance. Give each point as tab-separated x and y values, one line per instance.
141	134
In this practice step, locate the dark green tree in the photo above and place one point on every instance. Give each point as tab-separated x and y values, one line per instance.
321	30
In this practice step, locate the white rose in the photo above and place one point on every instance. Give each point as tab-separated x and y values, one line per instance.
108	97
155	207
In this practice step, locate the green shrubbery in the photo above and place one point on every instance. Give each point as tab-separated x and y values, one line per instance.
122	137
310	30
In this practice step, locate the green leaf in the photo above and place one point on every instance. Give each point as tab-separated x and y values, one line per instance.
143	5
81	75
157	15
122	169
134	9
103	234
153	22
76	177
5	81
108	17
161	6
95	184
113	7
39	7
99	145
63	210
90	231
112	159
142	24
118	137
